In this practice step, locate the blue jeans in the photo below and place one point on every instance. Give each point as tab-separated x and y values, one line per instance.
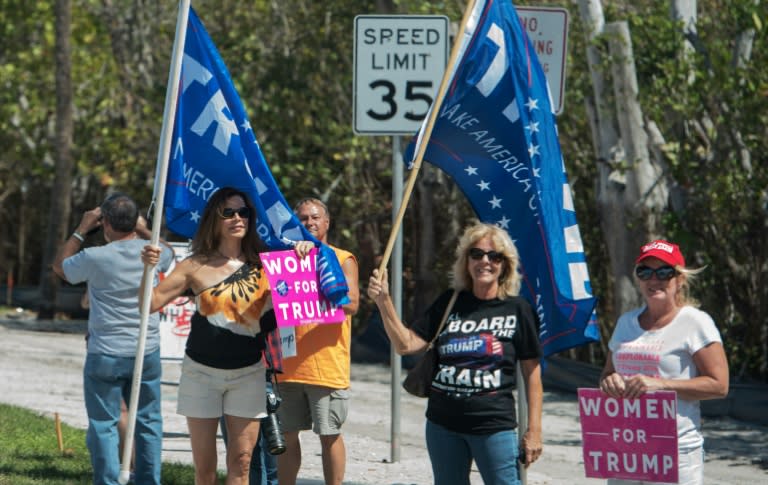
263	465
452	453
107	379
263	469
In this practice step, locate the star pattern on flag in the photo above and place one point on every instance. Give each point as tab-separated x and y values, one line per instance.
217	147
532	104
511	151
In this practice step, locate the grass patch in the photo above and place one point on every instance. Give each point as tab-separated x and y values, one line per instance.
29	453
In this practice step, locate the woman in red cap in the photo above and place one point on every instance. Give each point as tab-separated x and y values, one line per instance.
668	344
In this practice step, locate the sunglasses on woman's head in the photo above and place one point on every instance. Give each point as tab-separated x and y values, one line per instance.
229	213
662	273
493	256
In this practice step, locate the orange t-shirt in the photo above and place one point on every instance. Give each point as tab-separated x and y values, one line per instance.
322	350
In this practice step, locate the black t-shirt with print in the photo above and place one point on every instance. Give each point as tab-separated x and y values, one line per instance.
478	349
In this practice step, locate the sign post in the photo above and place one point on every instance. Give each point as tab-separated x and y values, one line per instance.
399	63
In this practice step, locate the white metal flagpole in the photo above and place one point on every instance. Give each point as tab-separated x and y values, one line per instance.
161	174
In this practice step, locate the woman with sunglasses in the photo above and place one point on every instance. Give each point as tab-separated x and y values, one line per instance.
668	344
223	371
489	330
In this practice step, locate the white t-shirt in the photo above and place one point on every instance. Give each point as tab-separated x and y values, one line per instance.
666	353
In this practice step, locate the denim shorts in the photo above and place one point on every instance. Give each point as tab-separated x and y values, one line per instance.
319	408
207	392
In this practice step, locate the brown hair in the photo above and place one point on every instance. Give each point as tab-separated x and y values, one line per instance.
206	240
509	280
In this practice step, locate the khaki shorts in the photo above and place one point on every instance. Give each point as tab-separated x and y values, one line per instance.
207	392
319	408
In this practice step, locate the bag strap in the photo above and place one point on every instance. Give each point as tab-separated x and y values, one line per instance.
445	318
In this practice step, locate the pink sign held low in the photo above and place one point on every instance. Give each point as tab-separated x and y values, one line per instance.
295	290
631	439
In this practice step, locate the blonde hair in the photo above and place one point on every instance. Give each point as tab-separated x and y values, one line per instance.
685	277
509	280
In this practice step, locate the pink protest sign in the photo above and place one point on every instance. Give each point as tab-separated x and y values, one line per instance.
295	290
632	439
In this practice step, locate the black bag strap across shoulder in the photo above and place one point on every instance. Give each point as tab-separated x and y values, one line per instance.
445	318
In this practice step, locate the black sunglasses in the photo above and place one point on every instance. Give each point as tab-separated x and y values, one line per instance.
662	273
229	213
493	256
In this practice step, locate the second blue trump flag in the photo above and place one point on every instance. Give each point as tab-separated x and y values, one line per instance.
495	134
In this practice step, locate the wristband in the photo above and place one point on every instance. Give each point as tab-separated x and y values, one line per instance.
78	236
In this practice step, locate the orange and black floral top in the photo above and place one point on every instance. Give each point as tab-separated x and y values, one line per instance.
231	320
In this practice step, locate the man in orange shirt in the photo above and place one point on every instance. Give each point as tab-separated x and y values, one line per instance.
315	383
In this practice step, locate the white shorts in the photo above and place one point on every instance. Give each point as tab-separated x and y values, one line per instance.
207	392
690	470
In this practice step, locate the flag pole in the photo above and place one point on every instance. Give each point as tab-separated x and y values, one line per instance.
161	174
422	147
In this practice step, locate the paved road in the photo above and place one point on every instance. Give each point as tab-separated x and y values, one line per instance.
41	366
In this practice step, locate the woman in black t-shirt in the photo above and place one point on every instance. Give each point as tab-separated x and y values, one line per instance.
471	408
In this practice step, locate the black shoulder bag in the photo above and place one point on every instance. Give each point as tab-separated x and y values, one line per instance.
419	378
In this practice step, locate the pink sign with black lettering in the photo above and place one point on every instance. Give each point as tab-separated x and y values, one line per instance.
295	290
632	439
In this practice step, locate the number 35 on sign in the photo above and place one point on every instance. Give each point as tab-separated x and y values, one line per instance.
399	62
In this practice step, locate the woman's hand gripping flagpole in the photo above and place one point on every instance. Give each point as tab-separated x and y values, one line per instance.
163	154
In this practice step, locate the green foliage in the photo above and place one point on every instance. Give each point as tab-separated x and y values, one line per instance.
29	453
712	112
292	65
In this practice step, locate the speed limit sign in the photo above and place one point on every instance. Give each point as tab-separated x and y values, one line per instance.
399	63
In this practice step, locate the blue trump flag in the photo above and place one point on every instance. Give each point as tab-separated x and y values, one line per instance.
495	135
215	147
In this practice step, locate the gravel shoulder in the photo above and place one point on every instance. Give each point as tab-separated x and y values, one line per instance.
41	369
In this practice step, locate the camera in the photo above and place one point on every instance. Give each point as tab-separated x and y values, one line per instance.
271	429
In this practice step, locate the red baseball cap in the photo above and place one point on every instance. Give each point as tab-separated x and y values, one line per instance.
663	250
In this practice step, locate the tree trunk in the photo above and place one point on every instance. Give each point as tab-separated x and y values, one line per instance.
609	152
646	192
684	11
62	185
